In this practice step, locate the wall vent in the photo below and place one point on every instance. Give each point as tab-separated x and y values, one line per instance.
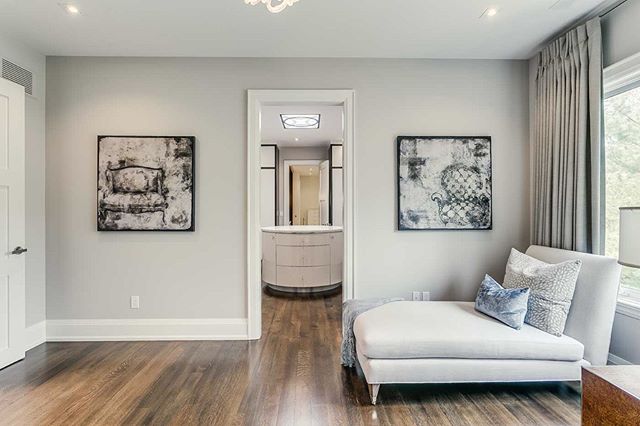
17	74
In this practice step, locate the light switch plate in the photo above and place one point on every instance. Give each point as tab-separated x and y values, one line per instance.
426	296
416	296
135	302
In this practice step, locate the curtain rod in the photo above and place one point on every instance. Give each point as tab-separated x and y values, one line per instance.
612	8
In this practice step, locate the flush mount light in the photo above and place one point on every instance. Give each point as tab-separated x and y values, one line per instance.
273	6
489	12
300	121
71	9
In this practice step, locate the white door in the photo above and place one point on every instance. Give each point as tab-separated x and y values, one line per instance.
324	193
12	219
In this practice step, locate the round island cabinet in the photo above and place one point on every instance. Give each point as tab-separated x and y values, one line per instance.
303	259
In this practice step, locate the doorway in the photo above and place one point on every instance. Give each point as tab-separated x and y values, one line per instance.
258	100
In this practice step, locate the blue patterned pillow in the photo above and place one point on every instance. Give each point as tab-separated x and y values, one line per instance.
506	305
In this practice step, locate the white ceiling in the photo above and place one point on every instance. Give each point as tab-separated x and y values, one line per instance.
273	132
310	28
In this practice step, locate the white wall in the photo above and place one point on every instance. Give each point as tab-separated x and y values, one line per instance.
620	34
297	153
35	176
621	39
202	274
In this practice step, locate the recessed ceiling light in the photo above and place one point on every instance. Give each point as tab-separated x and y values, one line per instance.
296	139
71	9
300	121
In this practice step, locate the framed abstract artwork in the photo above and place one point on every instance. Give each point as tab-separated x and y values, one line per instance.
146	183
444	182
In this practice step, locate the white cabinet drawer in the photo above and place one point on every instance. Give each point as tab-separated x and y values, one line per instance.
336	273
290	256
303	256
268	247
312	276
289	276
316	276
316	255
302	239
316	239
289	240
268	272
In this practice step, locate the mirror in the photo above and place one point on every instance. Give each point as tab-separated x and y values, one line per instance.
308	194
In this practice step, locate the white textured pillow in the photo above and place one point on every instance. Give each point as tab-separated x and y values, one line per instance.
551	289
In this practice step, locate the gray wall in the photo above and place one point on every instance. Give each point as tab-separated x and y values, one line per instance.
620	32
35	176
202	274
302	153
621	39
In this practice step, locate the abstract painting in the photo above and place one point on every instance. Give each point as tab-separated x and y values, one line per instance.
146	183
444	182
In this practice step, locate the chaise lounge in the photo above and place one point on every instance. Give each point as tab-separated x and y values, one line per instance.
450	342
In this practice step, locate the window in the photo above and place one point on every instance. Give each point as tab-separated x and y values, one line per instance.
622	161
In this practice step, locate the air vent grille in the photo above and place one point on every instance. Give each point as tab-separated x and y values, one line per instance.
17	74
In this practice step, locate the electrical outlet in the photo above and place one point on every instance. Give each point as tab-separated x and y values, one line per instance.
135	302
426	296
416	296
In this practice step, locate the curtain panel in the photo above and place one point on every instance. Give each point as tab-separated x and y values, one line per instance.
567	133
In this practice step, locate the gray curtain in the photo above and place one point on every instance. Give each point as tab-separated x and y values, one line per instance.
567	134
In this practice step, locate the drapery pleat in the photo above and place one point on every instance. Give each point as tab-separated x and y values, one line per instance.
567	134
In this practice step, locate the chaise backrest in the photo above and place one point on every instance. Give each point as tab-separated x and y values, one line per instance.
594	303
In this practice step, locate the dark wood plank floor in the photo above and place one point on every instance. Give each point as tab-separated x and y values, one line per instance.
291	376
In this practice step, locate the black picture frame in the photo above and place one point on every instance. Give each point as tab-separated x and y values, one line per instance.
331	168
192	228
276	168
399	225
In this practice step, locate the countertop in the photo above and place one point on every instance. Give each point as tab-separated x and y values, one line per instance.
302	229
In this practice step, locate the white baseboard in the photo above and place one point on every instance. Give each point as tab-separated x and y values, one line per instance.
35	335
616	360
146	329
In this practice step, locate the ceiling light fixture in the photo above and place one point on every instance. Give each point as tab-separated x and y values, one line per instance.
273	6
489	12
70	9
300	121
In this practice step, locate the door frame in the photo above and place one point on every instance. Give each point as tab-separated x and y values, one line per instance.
256	100
285	185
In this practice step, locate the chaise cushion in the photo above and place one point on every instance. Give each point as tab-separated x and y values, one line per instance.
401	330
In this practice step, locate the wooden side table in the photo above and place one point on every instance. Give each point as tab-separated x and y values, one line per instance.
611	395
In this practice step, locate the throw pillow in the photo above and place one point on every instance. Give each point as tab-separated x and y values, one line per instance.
551	286
506	305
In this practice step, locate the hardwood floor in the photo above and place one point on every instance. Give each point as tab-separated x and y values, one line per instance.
291	376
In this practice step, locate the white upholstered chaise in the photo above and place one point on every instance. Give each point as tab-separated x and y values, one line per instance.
450	342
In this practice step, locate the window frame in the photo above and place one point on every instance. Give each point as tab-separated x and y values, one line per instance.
618	78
